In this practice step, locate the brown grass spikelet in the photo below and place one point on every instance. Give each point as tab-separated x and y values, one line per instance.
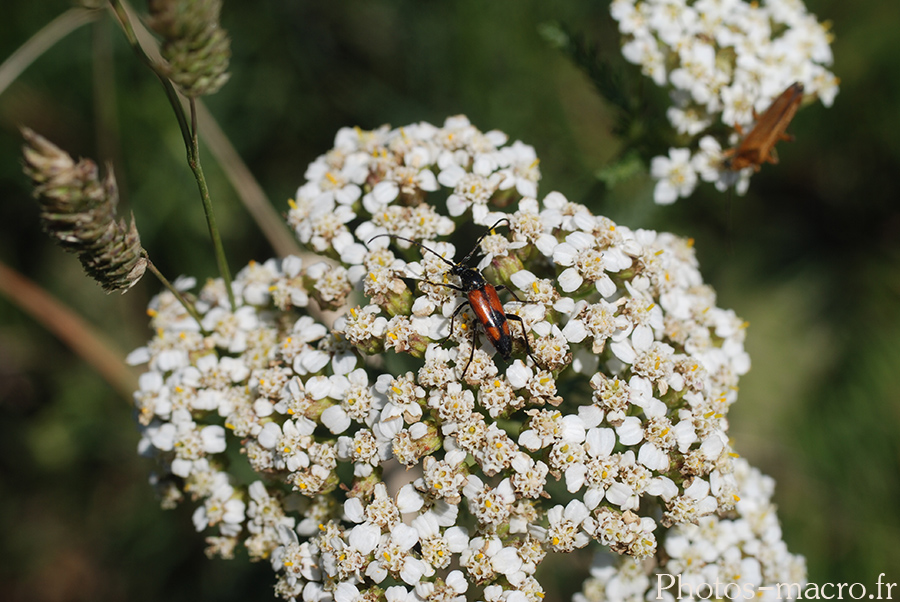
78	209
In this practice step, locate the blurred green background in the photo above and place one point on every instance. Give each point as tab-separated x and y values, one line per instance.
809	257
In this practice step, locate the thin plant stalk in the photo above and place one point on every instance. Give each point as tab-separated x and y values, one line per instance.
194	162
43	40
248	189
165	282
191	142
171	93
90	345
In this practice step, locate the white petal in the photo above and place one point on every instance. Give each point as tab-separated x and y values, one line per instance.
526	188
593	497
181	468
418	430
530	440
564	254
409	500
591	416
343	363
385	192
574	331
318	387
663	487
451	175
506	561
523	279
397	593
270	435
310	361
457	582
213	437
575	477
404	536
519	374
618	493
664	193
580	240
642	337
445	513
139	356
605	286
336	419
546	244
353	509
376	572
713	445
457	539
426	525
427	181
630	431
412	570
456	205
346	592
565	305
698	489
573	428
600	442
353	254
570	280
624	351
653	458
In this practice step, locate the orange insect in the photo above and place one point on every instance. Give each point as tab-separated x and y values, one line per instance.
758	146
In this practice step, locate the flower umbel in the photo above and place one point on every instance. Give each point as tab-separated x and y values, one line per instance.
742	549
615	426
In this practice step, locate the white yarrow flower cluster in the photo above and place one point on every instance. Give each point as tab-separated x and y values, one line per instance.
741	553
724	62
617	403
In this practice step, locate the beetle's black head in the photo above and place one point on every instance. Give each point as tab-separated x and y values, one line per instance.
470	278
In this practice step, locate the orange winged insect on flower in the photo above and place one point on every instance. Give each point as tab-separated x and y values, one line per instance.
758	146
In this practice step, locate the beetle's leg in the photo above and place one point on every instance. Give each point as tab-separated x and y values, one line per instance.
453	318
524	336
503	287
472	354
517	318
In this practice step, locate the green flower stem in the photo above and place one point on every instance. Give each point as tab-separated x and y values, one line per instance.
165	282
194	162
191	143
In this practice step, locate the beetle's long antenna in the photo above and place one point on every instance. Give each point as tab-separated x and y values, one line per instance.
482	237
418	244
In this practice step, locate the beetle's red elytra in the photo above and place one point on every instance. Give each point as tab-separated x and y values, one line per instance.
758	146
488	309
482	297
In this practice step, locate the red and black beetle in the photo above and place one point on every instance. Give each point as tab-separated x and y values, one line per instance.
482	297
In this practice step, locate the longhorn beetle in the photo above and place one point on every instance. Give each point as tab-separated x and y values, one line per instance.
482	297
